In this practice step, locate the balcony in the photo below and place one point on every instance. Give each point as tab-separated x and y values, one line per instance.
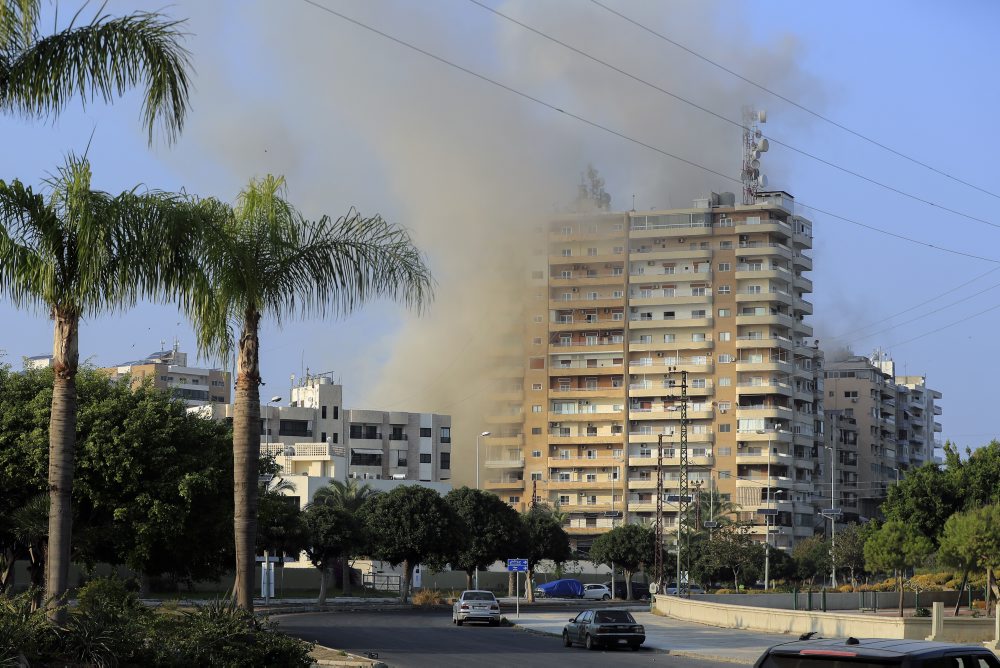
760	456
705	458
594	345
558	438
750	226
802	261
581	300
505	463
640	323
778	319
802	306
649	260
782	436
585	260
504	485
581	279
664	296
659	413
745	296
601	482
754	271
506	441
763	249
767	387
595	416
775	412
587	392
748	342
671	436
764	364
583	324
584	462
803	283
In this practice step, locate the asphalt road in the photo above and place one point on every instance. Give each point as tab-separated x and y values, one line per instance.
427	639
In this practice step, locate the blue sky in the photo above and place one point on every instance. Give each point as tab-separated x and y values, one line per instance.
355	121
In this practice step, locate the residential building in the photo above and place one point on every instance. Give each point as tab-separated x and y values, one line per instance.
306	434
892	422
169	371
38	362
617	306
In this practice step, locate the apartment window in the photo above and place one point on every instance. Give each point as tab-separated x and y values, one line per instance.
725	358
401	458
617	294
725	313
513	499
446	434
322	413
724	405
725	245
619	250
564	499
698	313
336	437
725	428
294	428
724	289
669	338
851	395
645	338
536	475
366	458
724	336
591	252
725	266
616	271
336	412
567	252
591	477
536	431
698	336
537	318
445	461
425	432
699	383
425	458
536	453
537	408
667	315
536	386
536	363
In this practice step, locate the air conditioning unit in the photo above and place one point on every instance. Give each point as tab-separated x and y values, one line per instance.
681	240
650	263
659	354
576	289
722	410
854	400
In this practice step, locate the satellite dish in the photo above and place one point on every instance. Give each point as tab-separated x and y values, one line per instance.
755	164
755	153
757	133
763	145
762	116
762	180
754	173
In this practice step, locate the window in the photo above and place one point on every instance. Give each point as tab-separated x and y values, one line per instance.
698	313
425	458
667	315
322	414
401	458
535	431
725	451
294	428
591	252
536	453
366	458
322	436
445	461
725	428
536	475
669	338
425	432
336	412
699	383
536	363
725	266
725	313
446	434
564	499
725	245
724	405
537	318
725	358
537	408
536	386
567	252
513	499
698	336
537	341
724	336
336	437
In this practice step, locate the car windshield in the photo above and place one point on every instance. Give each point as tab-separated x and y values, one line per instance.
786	661
478	596
615	617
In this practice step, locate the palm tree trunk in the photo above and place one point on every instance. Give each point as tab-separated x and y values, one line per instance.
347	575
468	580
511	586
404	589
529	585
246	451
62	444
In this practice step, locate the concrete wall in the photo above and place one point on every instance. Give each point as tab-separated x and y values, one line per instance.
827	624
834	600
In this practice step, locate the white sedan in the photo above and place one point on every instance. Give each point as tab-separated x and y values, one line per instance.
596	592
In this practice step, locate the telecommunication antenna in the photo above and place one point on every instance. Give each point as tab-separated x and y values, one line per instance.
754	144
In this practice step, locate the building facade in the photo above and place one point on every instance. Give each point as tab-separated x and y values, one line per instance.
884	424
618	305
169	371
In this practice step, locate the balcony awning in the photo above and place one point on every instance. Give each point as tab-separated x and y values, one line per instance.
366	451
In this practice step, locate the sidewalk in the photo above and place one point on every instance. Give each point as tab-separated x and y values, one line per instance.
674	637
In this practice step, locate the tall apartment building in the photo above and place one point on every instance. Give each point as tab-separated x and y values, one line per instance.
891	421
169	371
314	434
617	305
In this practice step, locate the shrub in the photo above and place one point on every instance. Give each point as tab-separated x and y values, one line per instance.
428	597
845	589
921	612
24	633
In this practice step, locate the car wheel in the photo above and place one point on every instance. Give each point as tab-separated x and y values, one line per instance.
635	646
458	622
589	642
607	597
566	641
494	622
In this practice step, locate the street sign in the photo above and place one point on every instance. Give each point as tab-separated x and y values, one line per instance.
517	565
831	512
710	524
676	498
770	512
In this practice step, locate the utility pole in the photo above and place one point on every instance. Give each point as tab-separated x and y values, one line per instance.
683	506
658	557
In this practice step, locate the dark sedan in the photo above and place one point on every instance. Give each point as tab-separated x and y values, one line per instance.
604	628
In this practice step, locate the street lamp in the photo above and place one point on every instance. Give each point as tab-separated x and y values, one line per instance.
617	459
767	517
267	419
485	433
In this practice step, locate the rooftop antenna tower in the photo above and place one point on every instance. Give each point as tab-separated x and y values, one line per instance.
754	144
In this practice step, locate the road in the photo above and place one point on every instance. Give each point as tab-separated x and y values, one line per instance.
427	639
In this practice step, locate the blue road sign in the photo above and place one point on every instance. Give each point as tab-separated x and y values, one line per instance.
517	565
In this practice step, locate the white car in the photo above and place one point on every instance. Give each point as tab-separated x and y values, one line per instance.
596	592
476	605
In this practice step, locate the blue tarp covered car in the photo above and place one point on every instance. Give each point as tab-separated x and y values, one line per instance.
561	589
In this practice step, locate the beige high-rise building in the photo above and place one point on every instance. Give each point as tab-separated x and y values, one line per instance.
893	420
618	305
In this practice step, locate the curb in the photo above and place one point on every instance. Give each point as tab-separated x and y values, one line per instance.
346	660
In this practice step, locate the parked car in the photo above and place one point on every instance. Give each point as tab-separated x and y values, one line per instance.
596	592
686	587
876	653
640	590
560	589
604	628
476	605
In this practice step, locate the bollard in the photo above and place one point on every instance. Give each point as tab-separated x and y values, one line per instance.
809	600
795	597
937	621
875	602
916	599
968	589
823	598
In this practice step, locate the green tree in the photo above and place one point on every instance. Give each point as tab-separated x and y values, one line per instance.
411	525
849	551
544	538
262	258
332	532
735	550
629	547
925	498
350	496
976	477
959	546
74	254
280	526
897	546
497	532
101	59
812	557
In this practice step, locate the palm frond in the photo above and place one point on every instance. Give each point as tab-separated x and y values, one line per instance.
18	19
27	231
102	60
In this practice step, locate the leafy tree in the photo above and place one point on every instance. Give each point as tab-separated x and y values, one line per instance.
544	538
811	556
894	547
925	498
959	546
411	525
280	526
497	532
262	258
629	547
333	532
350	496
976	477
849	551
734	549
99	60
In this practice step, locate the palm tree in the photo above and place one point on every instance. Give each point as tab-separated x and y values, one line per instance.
263	258
349	496
81	253
99	60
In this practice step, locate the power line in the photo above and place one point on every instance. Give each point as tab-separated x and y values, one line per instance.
633	140
794	103
951	324
740	125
